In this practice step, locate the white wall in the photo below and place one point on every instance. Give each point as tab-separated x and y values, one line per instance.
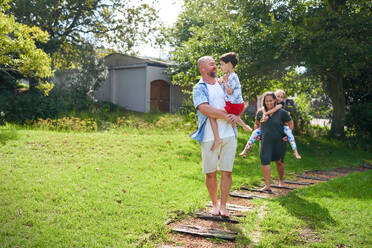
130	88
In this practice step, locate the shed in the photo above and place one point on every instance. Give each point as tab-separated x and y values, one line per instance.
139	84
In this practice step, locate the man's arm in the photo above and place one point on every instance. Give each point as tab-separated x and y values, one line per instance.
211	112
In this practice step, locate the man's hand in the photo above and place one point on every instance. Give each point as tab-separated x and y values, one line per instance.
230	118
285	138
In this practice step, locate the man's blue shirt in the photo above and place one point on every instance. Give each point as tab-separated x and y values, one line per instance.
201	95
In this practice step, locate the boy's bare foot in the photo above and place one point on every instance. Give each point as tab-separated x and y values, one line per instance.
295	152
281	183
216	143
244	152
247	128
224	212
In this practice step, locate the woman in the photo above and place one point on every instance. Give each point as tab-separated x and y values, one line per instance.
273	139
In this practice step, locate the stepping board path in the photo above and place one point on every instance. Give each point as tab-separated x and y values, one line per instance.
195	232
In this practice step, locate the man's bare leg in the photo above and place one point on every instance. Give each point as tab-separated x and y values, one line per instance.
280	167
212	186
266	170
226	180
217	139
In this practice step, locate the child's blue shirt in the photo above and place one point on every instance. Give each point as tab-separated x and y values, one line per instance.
234	83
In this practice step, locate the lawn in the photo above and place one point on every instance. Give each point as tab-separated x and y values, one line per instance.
118	188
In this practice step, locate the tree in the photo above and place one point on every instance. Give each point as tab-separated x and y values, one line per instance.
73	23
18	53
329	38
20	57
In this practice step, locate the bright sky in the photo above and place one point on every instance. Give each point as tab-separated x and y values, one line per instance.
168	13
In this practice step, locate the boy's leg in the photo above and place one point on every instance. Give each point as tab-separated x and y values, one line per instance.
251	140
217	139
292	141
243	125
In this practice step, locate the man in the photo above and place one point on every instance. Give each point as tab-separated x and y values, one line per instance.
209	100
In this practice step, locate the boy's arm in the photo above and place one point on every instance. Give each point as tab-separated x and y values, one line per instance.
229	90
276	108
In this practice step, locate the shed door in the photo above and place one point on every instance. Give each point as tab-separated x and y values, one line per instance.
160	95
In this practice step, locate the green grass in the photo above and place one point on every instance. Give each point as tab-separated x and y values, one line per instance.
333	214
118	188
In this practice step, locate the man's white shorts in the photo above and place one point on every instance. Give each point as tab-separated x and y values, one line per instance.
222	158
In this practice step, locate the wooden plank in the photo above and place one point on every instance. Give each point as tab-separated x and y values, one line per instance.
348	170
312	178
325	173
233	207
206	232
298	183
367	166
208	216
281	187
257	190
270	192
245	196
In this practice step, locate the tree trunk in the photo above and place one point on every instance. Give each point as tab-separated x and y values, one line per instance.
336	93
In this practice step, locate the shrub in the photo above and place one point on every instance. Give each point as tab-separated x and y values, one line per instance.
358	120
66	124
300	114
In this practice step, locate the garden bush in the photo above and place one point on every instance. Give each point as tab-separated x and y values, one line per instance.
358	120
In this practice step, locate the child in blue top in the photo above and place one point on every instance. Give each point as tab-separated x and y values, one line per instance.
280	96
233	95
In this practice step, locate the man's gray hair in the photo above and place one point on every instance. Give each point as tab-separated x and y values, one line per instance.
204	59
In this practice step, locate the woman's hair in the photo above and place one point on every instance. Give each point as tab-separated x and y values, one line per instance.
229	57
268	94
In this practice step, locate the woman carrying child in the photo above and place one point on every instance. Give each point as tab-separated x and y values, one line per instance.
280	104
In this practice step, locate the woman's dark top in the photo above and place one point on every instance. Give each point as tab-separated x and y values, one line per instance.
272	146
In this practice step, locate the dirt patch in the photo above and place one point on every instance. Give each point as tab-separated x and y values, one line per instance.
309	236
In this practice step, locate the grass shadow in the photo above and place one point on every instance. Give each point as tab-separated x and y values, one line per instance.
7	134
312	213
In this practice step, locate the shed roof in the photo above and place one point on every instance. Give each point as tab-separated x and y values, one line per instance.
118	59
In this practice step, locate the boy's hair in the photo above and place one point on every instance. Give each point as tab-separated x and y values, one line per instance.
229	57
280	92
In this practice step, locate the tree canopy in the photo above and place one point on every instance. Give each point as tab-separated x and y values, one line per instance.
19	53
329	38
72	24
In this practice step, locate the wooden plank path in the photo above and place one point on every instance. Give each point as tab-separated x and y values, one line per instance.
233	207
246	196
313	178
298	183
208	216
206	232
239	210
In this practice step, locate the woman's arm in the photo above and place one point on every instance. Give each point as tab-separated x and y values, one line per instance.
257	124
290	124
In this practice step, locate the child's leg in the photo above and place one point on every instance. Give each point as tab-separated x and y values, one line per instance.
217	139
292	141
243	125
251	140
